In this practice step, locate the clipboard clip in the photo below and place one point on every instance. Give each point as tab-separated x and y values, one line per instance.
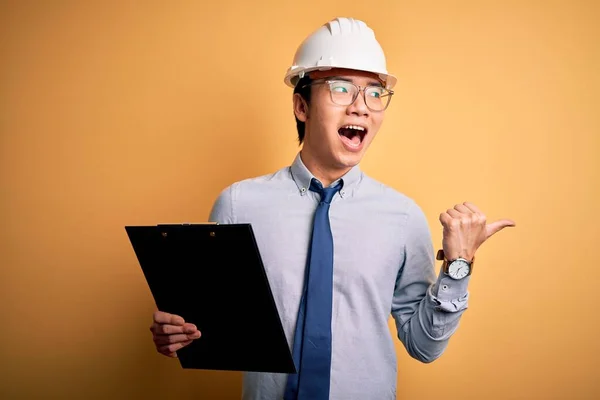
165	234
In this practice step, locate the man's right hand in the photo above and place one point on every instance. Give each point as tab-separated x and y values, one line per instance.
171	333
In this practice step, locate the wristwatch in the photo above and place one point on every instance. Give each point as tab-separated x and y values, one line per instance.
458	268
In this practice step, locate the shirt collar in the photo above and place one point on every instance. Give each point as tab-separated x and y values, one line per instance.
302	177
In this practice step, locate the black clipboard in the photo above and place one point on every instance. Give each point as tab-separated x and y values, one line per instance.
213	276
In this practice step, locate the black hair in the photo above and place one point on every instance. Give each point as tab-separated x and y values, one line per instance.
304	91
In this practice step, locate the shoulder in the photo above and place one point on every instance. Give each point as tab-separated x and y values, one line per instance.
242	192
396	205
388	196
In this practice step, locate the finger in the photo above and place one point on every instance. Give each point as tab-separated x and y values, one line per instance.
161	317
195	335
472	207
164	329
162	340
495	227
462	209
172	348
453	213
445	219
168	339
190	328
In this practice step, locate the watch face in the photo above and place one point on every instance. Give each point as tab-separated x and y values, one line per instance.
458	269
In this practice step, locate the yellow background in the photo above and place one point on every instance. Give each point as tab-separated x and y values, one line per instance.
117	113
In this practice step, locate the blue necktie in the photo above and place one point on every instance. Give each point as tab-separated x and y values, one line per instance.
312	339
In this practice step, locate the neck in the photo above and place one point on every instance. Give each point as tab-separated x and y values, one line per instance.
325	174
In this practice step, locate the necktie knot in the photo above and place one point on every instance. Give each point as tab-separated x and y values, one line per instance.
326	193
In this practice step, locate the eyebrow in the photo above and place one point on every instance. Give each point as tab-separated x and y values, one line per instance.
341	78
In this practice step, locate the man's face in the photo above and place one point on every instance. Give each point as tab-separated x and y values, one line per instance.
337	136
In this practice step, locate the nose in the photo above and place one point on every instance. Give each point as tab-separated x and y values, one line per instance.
359	107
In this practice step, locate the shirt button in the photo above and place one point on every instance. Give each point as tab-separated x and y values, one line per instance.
445	287
303	190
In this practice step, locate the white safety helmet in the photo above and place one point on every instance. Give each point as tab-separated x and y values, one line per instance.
340	43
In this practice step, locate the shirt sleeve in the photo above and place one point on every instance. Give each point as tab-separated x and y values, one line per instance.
222	211
426	310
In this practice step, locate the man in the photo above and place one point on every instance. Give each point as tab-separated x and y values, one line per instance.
341	250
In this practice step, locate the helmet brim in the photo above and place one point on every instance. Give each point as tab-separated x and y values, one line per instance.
294	75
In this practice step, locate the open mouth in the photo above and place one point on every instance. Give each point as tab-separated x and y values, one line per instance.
352	135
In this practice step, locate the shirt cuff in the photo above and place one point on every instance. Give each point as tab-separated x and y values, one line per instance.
448	294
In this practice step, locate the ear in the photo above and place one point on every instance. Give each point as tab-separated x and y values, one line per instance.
300	108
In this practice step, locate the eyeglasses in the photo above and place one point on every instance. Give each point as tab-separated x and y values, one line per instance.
344	93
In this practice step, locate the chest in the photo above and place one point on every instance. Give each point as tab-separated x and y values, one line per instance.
368	246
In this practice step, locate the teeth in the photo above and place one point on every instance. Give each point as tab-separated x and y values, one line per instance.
355	127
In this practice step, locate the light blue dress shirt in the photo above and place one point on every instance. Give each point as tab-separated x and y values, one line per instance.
383	264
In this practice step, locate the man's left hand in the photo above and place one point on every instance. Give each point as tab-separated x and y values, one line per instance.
465	229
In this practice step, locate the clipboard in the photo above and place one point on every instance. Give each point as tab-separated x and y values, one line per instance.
212	275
